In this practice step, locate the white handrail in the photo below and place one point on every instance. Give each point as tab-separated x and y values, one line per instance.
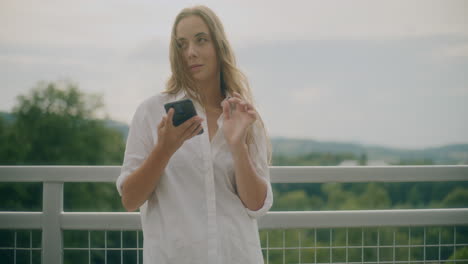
279	174
273	220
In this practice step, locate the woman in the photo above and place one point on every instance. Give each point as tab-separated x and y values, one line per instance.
199	195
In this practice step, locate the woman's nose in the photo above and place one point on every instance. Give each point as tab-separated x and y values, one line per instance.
191	50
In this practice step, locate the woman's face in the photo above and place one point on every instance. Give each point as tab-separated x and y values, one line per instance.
193	36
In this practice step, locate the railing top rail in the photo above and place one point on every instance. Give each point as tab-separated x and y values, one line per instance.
284	219
279	174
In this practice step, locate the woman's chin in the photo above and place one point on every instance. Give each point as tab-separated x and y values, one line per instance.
198	77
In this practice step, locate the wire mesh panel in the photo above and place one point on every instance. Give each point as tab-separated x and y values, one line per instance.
366	245
85	246
20	246
334	245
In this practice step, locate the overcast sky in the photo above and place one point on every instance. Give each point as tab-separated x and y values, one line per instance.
391	73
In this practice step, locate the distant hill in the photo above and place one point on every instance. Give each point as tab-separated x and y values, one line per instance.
7	116
122	127
449	154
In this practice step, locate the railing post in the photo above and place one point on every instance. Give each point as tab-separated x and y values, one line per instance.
52	206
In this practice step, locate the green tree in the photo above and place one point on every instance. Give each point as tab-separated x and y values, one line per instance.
363	159
460	254
56	124
338	198
297	201
455	199
374	197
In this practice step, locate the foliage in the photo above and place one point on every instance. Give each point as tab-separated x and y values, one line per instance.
55	124
460	254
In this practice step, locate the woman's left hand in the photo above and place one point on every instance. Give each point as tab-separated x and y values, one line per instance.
238	117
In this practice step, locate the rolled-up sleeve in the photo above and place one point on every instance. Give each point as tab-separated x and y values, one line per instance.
138	147
259	157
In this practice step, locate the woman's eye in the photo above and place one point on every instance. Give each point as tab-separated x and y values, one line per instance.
201	40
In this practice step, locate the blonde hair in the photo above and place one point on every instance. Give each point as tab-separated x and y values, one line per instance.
231	78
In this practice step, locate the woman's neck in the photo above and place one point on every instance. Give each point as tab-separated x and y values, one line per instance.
210	92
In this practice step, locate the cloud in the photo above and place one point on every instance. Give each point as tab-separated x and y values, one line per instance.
359	20
310	94
124	23
454	51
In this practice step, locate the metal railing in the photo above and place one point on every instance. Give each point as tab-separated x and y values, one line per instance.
53	221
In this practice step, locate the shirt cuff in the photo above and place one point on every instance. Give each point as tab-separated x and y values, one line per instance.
266	205
120	181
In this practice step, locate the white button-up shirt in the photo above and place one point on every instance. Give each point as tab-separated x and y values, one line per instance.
195	215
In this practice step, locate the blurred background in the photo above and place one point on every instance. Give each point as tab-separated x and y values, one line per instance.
337	83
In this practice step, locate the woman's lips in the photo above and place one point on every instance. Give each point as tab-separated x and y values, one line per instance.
195	67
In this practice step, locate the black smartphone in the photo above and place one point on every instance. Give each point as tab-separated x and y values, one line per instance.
183	111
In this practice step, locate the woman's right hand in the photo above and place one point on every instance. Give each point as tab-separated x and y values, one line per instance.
172	137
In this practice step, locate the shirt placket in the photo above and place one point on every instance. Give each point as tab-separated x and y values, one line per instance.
210	194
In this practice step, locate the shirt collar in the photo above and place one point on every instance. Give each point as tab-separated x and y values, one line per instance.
180	95
183	95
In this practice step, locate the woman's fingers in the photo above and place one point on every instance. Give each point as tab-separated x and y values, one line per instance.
195	131
182	131
162	123
249	107
237	104
244	106
192	131
189	123
236	94
234	100
253	113
226	109
169	117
